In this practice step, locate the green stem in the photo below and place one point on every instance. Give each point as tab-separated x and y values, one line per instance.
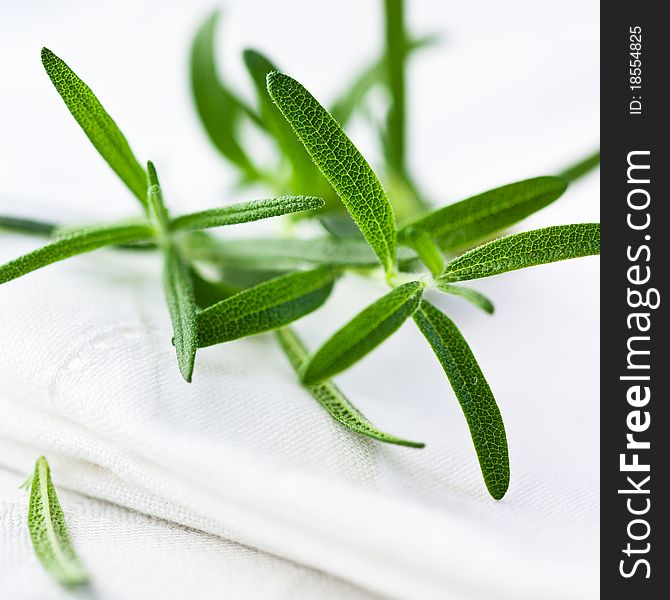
396	52
27	225
407	199
427	249
581	168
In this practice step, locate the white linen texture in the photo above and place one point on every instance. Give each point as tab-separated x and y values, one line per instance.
243	453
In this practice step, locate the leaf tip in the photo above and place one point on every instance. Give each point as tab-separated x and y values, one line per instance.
250	55
419	445
186	367
47	57
272	79
499	489
314	202
152	176
212	18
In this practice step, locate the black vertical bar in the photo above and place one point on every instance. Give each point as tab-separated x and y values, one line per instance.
634	519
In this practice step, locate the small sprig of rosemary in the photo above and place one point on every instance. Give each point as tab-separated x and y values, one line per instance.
48	531
266	284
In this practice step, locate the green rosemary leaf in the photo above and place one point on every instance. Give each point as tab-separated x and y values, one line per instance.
286	253
181	304
218	108
157	208
582	167
466	222
328	395
27	225
342	164
141	246
523	250
473	393
208	291
471	295
72	243
48	531
267	306
176	281
259	66
97	124
363	333
244	212
428	252
306	178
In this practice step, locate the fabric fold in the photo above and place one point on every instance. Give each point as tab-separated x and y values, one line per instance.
89	378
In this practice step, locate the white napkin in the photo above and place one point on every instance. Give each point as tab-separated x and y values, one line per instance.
122	547
89	378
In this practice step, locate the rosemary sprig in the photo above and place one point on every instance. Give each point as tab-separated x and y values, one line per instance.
265	284
48	531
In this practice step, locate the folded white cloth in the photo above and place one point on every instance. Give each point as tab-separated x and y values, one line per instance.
246	457
134	556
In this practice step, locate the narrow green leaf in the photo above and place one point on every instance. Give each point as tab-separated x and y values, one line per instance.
244	212
48	531
181	304
75	242
582	167
267	306
328	395
306	178
27	225
97	124
342	164
363	333
157	209
280	253
471	295
466	222
473	393
428	252
218	108
523	250
176	281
